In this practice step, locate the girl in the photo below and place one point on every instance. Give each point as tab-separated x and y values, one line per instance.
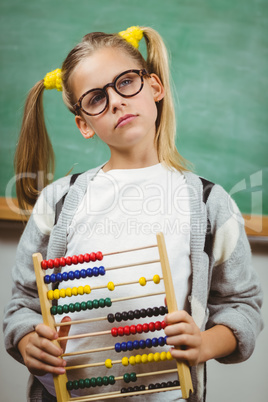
143	188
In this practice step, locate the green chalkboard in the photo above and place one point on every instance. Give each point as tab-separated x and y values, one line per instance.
219	66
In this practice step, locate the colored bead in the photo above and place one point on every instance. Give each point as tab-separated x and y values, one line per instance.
68	292
123	390
71	308
87	289
53	310
108	302
89	305
50	264
155	311
47	279
149	312
86	257
133	377
80	290
126	377
114	332
71	275
111	380
126	330
105	380
118	317
124	346
93	382
53	278
148	343
89	272
156	279
142	344
80	258
77	274
151	326
84	306
62	293
108	363
150	357
125	361
74	291
145	327
129	345
95	271
139	328
81	384
68	260
56	262
95	303
59	309
163	356
65	309
169	356
137	314
99	381
155	342
65	276
87	383
144	358
157	357
77	307
117	347
142	281
163	310
69	385
157	325
120	331
101	270
143	313
176	383
74	259
110	318
136	344
99	255
44	264
92	257
138	359
110	286
56	294
59	277
163	324
132	329
161	341
102	303
62	262
83	273
76	384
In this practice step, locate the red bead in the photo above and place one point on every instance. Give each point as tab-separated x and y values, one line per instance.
44	264
157	325
139	328
126	330
163	324
151	327
145	327
86	257
68	260
56	262
114	331
99	255
62	262
80	258
120	331
133	329
92	257
50	264
75	259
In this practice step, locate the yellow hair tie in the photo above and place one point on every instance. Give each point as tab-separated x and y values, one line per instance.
132	35
53	80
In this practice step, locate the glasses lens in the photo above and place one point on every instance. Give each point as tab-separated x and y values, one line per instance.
94	102
128	84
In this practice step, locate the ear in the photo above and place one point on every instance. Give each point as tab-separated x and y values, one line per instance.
83	126
157	87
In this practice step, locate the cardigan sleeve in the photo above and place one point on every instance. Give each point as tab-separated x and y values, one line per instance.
235	296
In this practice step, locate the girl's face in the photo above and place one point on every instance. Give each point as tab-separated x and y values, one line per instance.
127	123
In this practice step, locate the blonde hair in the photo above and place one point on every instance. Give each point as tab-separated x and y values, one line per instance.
34	152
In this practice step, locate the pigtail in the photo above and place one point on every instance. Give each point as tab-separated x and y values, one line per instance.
34	157
158	63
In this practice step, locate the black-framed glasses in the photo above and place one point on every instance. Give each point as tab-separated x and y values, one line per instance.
127	84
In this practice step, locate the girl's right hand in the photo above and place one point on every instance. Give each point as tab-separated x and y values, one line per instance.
40	355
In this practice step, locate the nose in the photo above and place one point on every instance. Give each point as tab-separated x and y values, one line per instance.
116	101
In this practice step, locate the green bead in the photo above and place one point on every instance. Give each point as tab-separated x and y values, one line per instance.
84	306
102	303
99	381
76	384
105	380
59	309
95	303
108	302
81	384
69	385
133	377
89	305
111	380
77	307
66	308
93	382
87	383
126	377
53	310
71	308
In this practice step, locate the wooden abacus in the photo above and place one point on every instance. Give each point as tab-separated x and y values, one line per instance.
62	385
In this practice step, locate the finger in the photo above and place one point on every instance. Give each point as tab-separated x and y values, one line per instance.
46	332
178	329
64	331
177	316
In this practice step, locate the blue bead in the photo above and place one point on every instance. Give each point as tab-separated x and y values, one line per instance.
142	344
102	270
117	347
161	341
47	279
71	275
148	343
77	274
89	272
96	271
124	346
65	276
136	344
155	342
83	273
129	345
53	278
165	339
59	277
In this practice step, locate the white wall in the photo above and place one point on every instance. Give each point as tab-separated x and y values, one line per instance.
245	382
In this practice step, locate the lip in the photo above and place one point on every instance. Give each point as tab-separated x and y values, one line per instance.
125	120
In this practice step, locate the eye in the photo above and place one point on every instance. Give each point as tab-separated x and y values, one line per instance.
96	98
124	82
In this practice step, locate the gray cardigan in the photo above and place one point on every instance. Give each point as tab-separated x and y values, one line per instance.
225	287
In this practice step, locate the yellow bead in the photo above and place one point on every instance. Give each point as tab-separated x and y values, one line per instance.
163	356
80	290
142	281
144	358
68	292
169	357
62	293
108	363
125	361
50	295
132	360
156	279
138	359
74	291
150	357
110	286
157	357
87	289
56	294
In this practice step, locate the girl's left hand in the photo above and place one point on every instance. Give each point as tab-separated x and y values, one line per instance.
183	332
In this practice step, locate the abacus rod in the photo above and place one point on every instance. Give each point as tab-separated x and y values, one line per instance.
137	297
129	250
121	284
160	372
78	336
81	366
83	352
132	265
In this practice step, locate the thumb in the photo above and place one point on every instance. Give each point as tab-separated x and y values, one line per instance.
64	331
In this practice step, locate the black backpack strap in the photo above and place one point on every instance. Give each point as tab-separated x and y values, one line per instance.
60	203
207	187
